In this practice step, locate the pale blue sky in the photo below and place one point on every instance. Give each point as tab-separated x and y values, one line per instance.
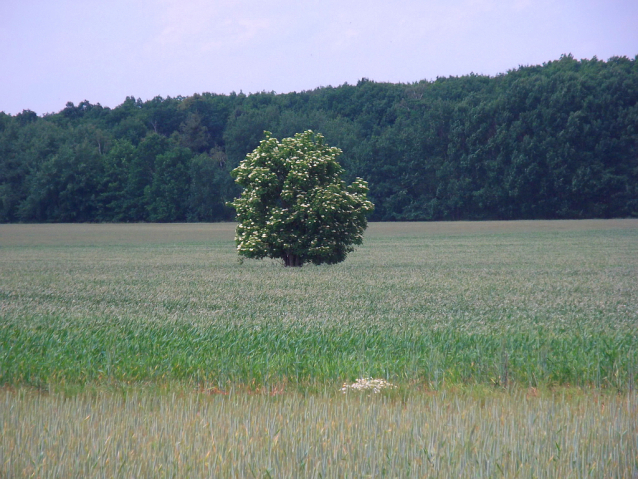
56	51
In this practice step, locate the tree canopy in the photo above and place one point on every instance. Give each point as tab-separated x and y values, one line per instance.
558	140
295	206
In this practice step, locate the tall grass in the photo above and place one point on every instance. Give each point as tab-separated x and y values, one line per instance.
150	433
155	354
527	303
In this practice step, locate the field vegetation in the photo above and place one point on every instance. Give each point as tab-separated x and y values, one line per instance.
155	433
535	303
148	350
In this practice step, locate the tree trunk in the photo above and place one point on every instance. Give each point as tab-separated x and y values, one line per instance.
292	260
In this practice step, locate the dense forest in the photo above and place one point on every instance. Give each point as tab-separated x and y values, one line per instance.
558	140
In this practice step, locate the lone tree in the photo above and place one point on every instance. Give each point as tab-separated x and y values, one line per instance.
295	206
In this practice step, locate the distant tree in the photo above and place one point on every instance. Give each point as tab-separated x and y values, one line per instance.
66	187
141	173
116	164
26	117
192	134
211	187
294	206
167	195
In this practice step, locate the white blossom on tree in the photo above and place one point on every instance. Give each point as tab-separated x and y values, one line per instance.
294	206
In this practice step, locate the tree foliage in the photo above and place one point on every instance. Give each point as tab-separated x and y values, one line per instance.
295	206
558	140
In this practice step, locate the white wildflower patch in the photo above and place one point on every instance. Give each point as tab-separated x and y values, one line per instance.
367	384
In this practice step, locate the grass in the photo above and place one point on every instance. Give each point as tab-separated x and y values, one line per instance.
155	433
530	303
148	351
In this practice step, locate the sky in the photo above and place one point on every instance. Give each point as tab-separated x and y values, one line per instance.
53	52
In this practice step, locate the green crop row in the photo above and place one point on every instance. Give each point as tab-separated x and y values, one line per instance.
53	352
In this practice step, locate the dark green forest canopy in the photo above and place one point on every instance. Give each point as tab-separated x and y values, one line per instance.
553	141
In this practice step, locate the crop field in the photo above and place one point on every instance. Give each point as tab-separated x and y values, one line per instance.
447	434
513	347
534	303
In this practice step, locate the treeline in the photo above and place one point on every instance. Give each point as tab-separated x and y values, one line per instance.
553	141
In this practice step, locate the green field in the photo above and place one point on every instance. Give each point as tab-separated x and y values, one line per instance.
513	346
530	303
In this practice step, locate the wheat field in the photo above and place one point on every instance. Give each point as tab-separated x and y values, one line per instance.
148	350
